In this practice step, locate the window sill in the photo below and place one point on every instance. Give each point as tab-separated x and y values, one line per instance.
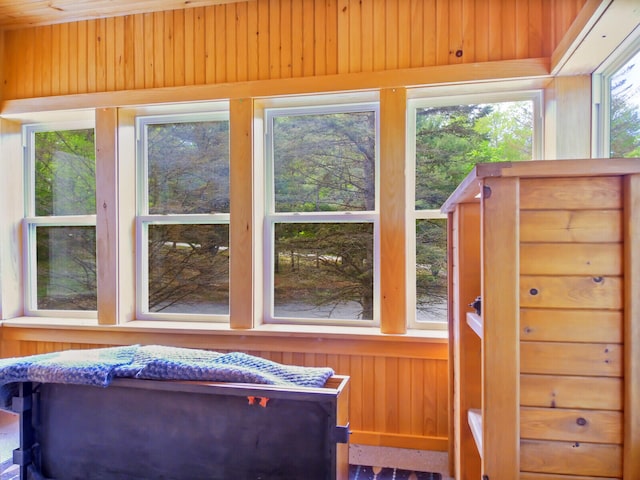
199	328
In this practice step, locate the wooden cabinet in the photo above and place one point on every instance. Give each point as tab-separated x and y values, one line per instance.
546	378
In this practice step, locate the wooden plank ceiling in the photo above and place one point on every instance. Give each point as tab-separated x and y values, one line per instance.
26	13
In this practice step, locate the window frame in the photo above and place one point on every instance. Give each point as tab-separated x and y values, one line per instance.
421	100
144	218
318	105
31	222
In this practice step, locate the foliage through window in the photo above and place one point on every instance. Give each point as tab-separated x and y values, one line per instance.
321	219
184	216
449	141
624	124
60	219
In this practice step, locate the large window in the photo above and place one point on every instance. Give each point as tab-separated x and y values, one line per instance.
321	224
619	91
183	221
448	140
60	218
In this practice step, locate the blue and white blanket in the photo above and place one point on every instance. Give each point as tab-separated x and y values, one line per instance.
153	362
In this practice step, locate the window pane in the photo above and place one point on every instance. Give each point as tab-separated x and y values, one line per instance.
188	168
323	270
625	110
451	140
66	268
324	162
65	173
431	270
189	269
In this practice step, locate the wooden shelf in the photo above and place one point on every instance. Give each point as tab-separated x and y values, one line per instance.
474	417
475	322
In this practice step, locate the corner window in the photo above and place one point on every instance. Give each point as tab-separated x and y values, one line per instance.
183	220
60	219
321	224
449	139
624	112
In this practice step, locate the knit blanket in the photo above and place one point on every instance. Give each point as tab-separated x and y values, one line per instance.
100	366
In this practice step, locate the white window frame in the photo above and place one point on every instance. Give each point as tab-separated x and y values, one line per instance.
144	219
31	221
601	94
308	106
413	215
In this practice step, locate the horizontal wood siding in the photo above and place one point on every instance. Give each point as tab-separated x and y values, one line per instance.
267	39
571	328
395	400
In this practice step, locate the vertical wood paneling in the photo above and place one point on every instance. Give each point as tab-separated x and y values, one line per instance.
199	47
263	40
180	53
404	34
230	43
241	31
275	39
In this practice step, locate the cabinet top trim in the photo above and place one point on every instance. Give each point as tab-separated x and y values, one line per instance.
469	189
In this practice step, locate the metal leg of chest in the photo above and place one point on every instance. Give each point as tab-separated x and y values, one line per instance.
23	404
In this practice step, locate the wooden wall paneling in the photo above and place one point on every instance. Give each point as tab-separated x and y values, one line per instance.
562	226
430	32
404	34
578	425
456	32
392	388
481	31
274	39
309	26
379	35
286	40
147	50
442	33
521	29
231	44
263	40
381	379
564	391
210	45
565	325
571	458
199	47
135	52
509	36
158	49
366	42
632	327
46	45
343	40
65	87
299	39
319	39
392	53
101	54
582	359
121	60
442	396
416	22
495	28
55	62
128	54
392	210
574	258
571	292
468	38
368	385
534	29
168	47
331	38
182	52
